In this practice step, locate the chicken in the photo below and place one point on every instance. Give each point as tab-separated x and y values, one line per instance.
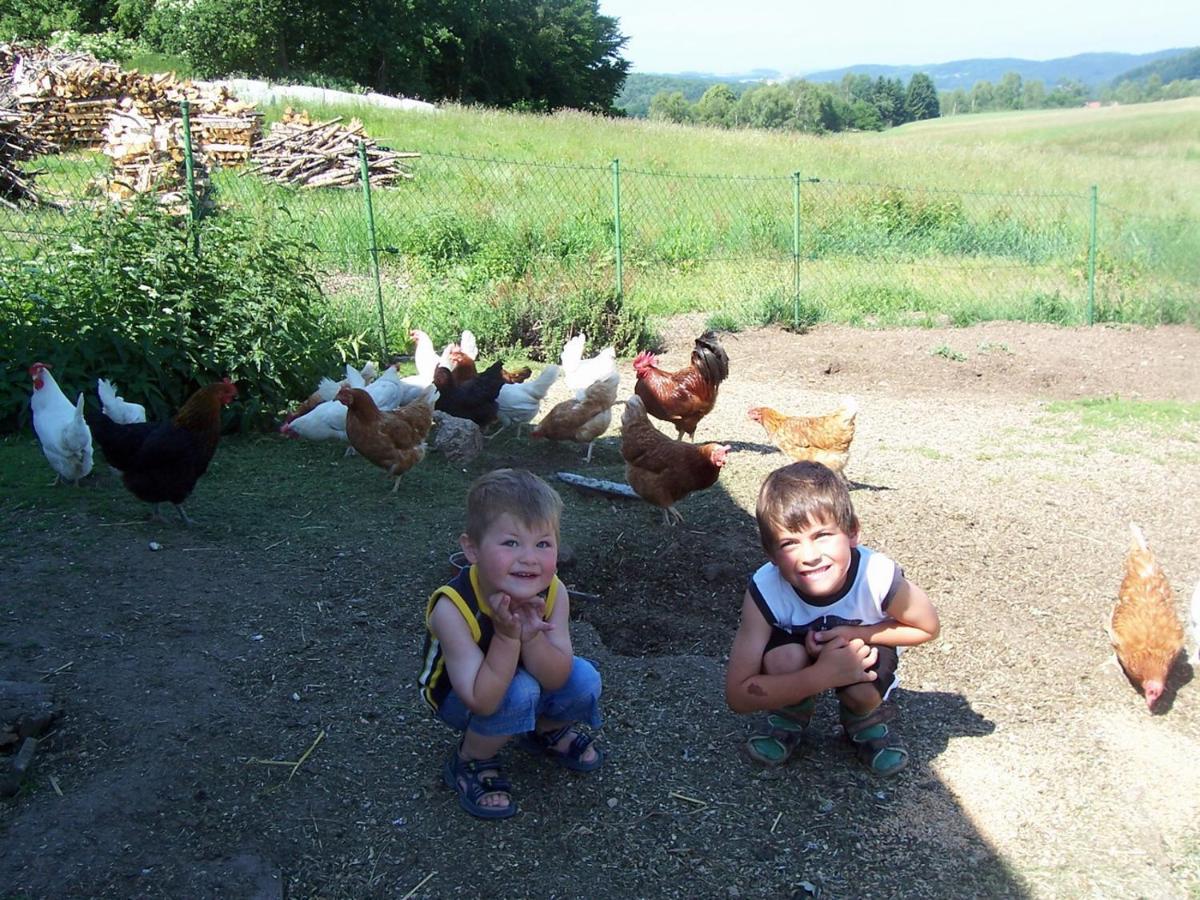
394	440
59	424
474	400
161	462
1145	628
580	372
664	471
424	356
326	390
462	368
115	406
518	403
824	439
581	419
684	397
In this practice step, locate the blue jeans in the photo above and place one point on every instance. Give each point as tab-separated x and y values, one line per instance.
525	702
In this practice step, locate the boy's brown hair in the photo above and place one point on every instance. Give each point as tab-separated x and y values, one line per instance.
517	492
801	493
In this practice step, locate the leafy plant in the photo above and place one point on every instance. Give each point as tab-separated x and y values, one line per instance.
127	299
947	352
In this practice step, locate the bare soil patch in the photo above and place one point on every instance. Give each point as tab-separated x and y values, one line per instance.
1036	770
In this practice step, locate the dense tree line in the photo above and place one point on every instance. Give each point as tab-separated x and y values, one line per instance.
1012	92
538	54
858	103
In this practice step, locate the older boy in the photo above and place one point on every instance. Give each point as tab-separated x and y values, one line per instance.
498	658
823	613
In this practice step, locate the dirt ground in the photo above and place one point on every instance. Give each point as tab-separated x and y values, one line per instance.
193	680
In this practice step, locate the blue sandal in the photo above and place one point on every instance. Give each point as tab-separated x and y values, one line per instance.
541	743
462	776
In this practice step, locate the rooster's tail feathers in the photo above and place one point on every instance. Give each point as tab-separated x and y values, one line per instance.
1139	539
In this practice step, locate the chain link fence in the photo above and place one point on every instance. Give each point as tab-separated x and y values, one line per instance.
793	248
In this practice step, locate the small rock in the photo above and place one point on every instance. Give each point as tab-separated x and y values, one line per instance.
296	696
155	545
612	802
256	637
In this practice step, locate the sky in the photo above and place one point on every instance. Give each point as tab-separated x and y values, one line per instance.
796	37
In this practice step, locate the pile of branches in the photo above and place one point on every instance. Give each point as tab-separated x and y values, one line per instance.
298	151
16	186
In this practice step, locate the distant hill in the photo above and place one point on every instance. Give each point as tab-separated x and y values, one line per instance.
1177	67
1092	69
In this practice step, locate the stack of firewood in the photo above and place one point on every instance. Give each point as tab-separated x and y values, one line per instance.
148	156
301	152
16	186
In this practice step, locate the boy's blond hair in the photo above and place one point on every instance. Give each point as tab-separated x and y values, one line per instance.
517	492
801	493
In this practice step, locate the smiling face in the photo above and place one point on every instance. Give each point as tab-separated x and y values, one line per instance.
814	558
514	558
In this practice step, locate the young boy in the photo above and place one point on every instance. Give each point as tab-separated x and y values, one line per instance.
498	659
823	613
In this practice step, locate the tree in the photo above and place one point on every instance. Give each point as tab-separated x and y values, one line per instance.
814	110
1034	94
1008	92
954	103
1067	93
766	106
670	107
921	99
982	96
716	106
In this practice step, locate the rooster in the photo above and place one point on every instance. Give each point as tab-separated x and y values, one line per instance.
519	402
580	372
824	439
684	397
583	418
59	424
1145	628
160	462
117	407
663	471
393	440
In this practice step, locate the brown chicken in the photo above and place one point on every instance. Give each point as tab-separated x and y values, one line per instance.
393	440
1145	628
661	470
824	439
581	419
684	397
462	369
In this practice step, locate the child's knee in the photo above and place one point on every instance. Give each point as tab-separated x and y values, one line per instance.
860	699
785	658
523	694
584	680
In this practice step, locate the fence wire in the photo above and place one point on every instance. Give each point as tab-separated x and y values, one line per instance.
744	250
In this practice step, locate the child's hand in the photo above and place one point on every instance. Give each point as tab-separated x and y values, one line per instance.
528	614
504	617
848	661
845	632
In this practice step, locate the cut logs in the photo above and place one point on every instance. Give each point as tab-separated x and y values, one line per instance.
148	157
16	185
298	151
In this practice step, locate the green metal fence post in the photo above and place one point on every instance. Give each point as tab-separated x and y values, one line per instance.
616	170
1091	305
365	169
189	170
795	249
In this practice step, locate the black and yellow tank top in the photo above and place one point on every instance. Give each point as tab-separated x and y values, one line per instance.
463	591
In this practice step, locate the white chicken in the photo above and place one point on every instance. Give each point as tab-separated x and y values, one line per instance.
64	435
580	372
327	420
117	407
425	357
519	402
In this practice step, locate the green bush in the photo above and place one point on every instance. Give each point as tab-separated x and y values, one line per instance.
126	299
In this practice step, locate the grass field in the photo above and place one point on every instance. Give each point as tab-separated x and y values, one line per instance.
951	220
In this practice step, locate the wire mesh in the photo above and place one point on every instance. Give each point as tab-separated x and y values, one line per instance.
739	249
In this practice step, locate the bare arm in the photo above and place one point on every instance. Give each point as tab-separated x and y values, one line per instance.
548	655
748	688
479	680
911	620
